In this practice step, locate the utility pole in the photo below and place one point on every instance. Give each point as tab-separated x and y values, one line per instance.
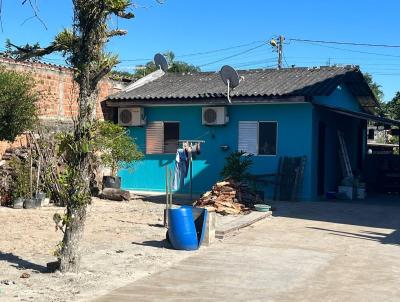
278	46
280	51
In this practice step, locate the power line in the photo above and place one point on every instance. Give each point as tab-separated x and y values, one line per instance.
346	43
352	50
256	62
263	67
199	53
234	55
257	54
284	59
136	60
218	50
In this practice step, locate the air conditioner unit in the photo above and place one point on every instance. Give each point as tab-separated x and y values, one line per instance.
131	116
214	116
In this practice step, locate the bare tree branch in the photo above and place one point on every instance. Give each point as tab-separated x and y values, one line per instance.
35	10
105	70
28	52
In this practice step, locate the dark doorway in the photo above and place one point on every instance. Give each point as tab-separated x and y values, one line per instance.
362	127
321	158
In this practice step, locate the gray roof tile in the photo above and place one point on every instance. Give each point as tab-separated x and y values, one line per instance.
266	83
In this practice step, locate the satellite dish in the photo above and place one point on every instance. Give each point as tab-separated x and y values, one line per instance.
161	62
230	77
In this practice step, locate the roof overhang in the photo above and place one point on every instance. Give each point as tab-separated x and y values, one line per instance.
360	115
124	103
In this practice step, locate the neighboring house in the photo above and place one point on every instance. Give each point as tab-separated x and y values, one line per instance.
57	104
274	113
379	140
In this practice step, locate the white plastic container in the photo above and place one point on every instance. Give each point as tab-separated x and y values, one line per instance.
360	193
346	191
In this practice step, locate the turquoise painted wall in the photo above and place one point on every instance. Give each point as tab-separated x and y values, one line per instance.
340	97
294	139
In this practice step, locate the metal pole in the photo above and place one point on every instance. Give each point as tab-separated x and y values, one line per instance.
166	197
191	177
170	188
280	51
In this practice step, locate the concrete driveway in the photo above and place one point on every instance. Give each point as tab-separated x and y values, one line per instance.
320	251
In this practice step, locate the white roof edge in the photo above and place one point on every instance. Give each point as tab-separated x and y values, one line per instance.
146	79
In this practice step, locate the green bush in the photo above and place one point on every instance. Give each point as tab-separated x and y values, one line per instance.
115	147
20	186
237	166
17	104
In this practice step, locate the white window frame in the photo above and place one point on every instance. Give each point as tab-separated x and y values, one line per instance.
258	137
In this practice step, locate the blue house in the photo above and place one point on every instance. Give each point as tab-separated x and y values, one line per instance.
272	113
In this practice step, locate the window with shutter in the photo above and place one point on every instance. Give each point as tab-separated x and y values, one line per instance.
155	138
248	137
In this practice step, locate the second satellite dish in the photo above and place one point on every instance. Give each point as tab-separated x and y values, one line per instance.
230	77
161	62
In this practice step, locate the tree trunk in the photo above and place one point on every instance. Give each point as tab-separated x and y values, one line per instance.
70	252
79	190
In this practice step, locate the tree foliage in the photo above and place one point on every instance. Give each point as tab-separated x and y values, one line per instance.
378	93
115	147
393	107
17	104
174	66
375	87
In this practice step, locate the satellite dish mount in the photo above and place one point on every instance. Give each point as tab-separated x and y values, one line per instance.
230	78
161	62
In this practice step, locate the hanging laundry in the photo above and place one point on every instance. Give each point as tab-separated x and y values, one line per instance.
181	168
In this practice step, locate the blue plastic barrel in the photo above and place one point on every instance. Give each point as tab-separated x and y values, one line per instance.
200	220
182	231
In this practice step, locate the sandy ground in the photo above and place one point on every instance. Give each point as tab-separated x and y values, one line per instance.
123	241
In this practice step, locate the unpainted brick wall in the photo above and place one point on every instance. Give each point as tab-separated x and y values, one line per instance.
58	92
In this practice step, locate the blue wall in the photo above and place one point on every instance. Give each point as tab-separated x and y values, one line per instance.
340	97
294	139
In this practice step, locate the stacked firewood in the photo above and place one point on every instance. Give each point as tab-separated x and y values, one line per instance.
227	198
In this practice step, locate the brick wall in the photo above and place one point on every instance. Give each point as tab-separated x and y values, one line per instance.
58	91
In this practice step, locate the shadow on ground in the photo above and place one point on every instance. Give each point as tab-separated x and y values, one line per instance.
22	264
155	243
392	238
381	211
178	199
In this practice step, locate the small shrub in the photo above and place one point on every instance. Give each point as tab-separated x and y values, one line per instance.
116	148
237	166
20	186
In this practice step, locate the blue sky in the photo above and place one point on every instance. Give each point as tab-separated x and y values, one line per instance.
189	26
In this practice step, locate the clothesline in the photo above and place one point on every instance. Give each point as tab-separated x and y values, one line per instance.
191	141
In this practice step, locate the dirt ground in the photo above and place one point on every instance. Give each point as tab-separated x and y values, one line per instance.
123	241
